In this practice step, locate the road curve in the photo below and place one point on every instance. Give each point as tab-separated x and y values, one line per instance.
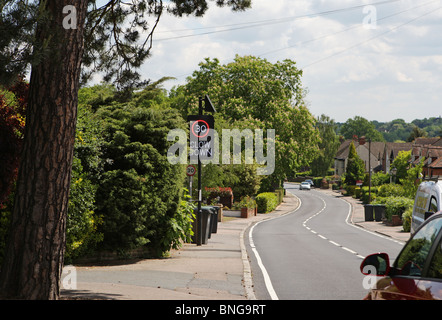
312	253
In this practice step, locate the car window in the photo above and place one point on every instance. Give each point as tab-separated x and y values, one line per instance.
435	269
412	259
433	205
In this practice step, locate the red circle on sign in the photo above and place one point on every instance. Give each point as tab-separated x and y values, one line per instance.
194	131
190	170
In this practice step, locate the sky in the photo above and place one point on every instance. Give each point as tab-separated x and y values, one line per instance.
381	60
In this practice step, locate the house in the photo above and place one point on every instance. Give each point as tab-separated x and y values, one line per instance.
429	149
370	153
382	154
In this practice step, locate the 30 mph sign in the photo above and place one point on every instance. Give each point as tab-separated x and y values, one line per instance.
201	137
190	170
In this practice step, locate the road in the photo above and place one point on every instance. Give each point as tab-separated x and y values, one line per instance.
312	253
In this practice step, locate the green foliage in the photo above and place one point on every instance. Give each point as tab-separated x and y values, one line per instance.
360	127
395	205
266	202
81	225
247	202
401	163
328	146
391	190
247	182
280	193
365	194
82	222
254	93
379	178
138	195
180	230
406	219
412	180
355	167
399	130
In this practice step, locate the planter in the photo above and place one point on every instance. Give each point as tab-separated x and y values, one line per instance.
247	212
396	220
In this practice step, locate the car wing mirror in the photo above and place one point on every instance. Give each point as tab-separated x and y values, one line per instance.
377	264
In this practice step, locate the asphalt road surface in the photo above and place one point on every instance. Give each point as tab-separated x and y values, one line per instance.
314	252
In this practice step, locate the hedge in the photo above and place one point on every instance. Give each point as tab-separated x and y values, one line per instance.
395	205
266	201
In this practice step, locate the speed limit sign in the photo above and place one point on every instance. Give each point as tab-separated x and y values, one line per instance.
190	170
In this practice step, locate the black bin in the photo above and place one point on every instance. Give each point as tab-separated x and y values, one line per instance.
206	214
379	212
214	218
368	212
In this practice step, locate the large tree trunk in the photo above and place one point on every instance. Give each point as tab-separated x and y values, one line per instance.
35	250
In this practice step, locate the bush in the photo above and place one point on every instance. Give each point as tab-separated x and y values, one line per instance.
82	222
358	192
266	202
395	205
139	192
365	194
247	202
391	190
380	178
406	219
350	189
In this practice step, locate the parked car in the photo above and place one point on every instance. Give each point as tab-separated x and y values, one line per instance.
428	200
304	186
417	271
311	182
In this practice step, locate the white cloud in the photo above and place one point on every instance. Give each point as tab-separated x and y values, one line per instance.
382	74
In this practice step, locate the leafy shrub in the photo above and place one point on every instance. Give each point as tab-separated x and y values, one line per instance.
365	194
180	225
81	224
350	189
139	192
406	219
391	190
395	205
247	202
266	201
380	178
358	192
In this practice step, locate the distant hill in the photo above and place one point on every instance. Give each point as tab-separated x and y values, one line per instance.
399	130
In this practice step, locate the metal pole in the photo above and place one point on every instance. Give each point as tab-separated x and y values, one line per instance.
200	215
369	170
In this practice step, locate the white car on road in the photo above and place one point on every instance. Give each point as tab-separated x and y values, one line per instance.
304	186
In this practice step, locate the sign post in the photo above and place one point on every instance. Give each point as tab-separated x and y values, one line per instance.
190	171
200	125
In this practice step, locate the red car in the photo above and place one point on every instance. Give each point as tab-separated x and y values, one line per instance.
417	271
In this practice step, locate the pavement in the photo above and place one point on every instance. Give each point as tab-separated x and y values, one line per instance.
218	270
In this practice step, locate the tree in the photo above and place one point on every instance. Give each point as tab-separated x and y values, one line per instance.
49	36
251	92
360	127
328	146
355	166
416	133
138	194
401	163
